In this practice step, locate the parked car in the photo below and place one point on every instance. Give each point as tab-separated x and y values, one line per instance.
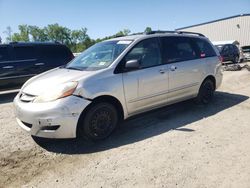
246	52
21	61
229	52
116	79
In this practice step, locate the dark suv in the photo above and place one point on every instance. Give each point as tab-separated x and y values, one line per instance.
229	52
20	61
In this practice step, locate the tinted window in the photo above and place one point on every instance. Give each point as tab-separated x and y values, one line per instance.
246	49
219	47
226	49
177	49
206	50
235	48
24	52
4	54
55	52
147	52
231	49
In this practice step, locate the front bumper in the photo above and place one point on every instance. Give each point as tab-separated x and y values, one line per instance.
57	119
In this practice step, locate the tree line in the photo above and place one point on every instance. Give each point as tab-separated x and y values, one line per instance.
77	40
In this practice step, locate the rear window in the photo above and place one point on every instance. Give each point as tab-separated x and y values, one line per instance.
206	50
235	48
24	52
177	49
226	49
219	47
4	56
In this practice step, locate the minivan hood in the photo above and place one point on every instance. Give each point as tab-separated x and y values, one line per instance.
47	80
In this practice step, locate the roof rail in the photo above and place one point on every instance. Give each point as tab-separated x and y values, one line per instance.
175	32
35	42
159	31
192	33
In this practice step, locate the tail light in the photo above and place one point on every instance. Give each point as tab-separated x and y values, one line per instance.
203	55
221	58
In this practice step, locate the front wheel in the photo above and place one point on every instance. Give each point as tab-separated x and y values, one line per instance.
206	92
99	122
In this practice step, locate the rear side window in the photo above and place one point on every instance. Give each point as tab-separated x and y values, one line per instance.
24	52
236	49
55	53
206	50
226	49
177	49
4	56
232	49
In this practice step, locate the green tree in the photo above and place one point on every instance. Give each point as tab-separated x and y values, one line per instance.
38	34
123	32
79	40
58	33
76	40
147	30
23	35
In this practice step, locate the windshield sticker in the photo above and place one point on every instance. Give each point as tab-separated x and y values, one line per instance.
102	63
124	42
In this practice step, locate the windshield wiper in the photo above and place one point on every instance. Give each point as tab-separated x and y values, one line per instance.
73	68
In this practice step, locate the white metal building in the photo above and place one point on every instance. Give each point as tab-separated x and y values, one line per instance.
226	29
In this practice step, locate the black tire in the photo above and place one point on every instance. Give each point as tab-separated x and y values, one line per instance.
99	121
206	92
236	59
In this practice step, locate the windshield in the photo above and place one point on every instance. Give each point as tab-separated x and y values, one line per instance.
246	49
219	47
99	56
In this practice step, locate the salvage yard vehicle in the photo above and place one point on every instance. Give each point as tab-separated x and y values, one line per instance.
116	79
229	52
246	52
19	61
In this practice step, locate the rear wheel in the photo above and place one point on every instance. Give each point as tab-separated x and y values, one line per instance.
236	59
206	92
99	122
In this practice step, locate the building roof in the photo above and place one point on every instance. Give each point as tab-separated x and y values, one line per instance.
239	15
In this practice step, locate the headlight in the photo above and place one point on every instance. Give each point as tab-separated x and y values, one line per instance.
60	91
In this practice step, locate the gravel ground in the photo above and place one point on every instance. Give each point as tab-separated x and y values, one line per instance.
183	145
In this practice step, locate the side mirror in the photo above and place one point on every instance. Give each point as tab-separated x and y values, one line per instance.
132	65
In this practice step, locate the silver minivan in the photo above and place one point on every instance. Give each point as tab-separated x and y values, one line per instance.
116	79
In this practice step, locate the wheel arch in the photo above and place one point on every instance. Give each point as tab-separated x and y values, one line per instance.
103	98
212	78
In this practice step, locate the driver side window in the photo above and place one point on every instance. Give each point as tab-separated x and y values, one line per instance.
147	52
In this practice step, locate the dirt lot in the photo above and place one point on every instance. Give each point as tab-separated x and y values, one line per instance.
183	145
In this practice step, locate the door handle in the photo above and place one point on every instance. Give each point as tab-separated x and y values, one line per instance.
39	64
162	71
8	67
173	68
